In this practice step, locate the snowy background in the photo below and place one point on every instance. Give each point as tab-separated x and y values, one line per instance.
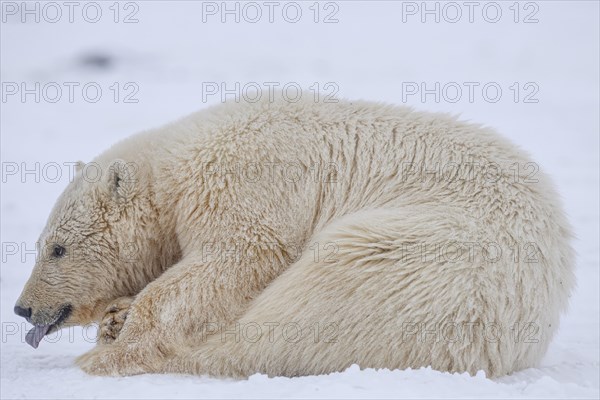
155	64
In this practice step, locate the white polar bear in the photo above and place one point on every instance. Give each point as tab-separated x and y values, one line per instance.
301	238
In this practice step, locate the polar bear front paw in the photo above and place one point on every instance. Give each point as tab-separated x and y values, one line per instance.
113	320
114	360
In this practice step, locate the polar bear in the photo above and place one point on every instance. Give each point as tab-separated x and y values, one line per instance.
300	238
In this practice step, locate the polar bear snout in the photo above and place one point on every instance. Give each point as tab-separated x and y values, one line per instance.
43	315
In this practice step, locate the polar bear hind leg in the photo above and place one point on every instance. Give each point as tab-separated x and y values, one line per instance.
382	288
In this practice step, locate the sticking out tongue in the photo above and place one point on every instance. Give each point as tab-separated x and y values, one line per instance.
36	334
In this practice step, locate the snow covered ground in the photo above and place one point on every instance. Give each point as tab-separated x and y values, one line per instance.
542	55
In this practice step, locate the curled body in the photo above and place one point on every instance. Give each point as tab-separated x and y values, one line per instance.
301	238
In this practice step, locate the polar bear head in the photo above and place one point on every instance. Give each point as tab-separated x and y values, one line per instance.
90	251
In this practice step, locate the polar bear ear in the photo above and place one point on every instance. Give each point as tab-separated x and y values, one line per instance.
121	180
79	166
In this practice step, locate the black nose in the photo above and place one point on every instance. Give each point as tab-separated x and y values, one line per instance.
23	312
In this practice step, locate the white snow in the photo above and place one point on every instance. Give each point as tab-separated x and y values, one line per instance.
368	54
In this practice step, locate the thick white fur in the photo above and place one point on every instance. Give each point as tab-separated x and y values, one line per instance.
349	246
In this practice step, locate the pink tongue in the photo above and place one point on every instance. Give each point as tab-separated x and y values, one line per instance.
36	334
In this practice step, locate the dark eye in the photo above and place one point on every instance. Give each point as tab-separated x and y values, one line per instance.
58	251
